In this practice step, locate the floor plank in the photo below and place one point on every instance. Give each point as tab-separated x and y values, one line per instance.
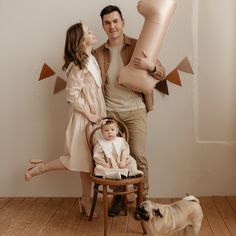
121	224
227	213
72	221
94	227
55	224
134	227
213	216
17	223
42	216
8	212
232	202
206	228
3	201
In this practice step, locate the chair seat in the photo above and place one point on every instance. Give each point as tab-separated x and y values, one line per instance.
117	182
98	181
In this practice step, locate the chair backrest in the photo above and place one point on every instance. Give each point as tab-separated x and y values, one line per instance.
92	129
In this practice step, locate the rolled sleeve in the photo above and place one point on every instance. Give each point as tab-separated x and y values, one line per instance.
74	89
159	73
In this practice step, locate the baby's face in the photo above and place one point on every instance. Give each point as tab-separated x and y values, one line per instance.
110	131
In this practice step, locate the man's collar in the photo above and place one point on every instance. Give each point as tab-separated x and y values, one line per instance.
127	41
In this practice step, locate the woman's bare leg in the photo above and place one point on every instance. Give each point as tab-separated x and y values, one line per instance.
86	184
86	193
41	167
54	165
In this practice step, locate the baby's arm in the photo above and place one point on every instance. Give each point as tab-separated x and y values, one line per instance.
99	156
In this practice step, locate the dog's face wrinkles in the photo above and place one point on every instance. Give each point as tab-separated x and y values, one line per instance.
147	211
144	214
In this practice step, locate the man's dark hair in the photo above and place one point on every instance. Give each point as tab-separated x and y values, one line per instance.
108	9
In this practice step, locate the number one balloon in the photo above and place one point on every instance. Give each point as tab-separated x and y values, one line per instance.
157	14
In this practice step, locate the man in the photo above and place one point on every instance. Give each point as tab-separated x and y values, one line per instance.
121	102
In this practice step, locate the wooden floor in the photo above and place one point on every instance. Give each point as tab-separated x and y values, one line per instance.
61	216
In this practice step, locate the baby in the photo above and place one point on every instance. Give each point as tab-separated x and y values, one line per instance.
111	154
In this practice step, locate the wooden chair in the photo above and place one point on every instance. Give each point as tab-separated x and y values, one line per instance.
102	185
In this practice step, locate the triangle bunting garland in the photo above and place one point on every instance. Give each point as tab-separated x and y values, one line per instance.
161	86
174	77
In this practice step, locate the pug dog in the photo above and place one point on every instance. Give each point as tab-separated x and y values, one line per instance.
166	219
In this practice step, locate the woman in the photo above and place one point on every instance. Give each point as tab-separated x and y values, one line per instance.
84	94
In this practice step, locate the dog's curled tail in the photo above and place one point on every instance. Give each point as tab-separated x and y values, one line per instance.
191	198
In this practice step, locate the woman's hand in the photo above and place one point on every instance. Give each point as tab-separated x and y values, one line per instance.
93	118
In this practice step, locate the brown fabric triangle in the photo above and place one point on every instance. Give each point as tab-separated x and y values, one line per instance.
59	85
46	72
173	77
162	87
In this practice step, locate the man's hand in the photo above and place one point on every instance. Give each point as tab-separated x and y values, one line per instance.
144	63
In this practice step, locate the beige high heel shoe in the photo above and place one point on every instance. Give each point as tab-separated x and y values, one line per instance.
37	168
85	208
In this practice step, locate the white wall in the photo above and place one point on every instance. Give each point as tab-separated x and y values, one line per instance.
191	133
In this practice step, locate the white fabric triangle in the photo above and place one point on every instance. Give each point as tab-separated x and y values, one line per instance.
117	143
108	146
93	68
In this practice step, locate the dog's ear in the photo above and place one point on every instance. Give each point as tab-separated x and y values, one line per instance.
157	212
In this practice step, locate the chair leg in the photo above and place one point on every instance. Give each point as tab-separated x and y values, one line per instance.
105	208
125	200
95	195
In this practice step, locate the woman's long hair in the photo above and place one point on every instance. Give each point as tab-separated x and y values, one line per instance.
74	50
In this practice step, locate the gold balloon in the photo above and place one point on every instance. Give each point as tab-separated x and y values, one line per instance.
157	14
